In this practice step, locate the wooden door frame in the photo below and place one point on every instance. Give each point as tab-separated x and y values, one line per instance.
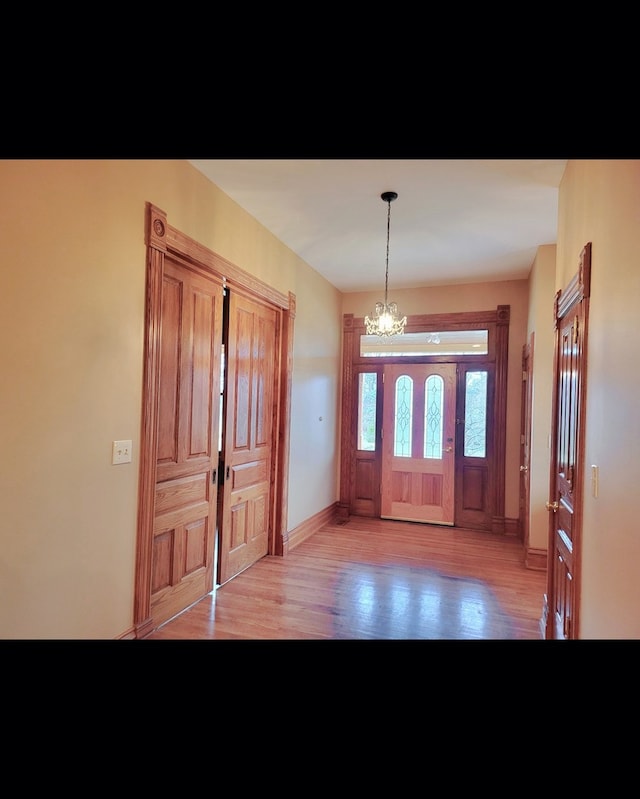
577	292
353	363
525	440
161	240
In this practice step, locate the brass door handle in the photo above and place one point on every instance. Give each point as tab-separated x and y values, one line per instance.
448	449
551	506
524	469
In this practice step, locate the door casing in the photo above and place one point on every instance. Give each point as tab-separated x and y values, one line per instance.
525	440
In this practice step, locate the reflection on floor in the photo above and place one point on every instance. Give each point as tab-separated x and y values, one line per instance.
376	579
410	603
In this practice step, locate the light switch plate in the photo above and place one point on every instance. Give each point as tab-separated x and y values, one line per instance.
121	452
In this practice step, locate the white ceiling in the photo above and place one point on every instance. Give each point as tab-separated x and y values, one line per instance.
454	221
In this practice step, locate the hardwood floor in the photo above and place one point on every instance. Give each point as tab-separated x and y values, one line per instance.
376	579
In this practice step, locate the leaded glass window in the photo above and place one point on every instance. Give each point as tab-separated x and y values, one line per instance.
433	418
367	401
475	419
403	417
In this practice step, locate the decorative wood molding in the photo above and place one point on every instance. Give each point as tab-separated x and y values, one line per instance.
465	320
544	618
232	275
156	230
128	635
498	525
281	539
312	525
526	410
149	426
579	287
536	559
511	527
346	446
497	322
503	316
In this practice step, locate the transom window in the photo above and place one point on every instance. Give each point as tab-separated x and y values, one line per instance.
447	342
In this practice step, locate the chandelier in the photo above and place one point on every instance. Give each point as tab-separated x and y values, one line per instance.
386	320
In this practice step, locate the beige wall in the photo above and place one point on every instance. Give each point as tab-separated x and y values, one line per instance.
599	201
541	303
473	297
72	332
315	405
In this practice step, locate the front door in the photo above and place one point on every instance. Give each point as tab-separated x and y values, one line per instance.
418	443
184	524
250	428
567	456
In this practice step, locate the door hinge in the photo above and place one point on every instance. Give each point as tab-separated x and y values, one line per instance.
524	377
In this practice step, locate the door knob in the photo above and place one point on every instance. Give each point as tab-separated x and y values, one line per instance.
524	469
551	506
448	449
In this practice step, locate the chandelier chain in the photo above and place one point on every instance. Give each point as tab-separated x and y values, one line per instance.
386	273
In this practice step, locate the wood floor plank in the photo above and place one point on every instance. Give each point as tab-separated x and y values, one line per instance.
374	579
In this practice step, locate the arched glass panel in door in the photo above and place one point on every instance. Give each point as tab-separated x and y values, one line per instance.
433	416
403	417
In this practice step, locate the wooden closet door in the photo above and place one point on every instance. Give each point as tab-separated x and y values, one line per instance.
250	430
183	546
